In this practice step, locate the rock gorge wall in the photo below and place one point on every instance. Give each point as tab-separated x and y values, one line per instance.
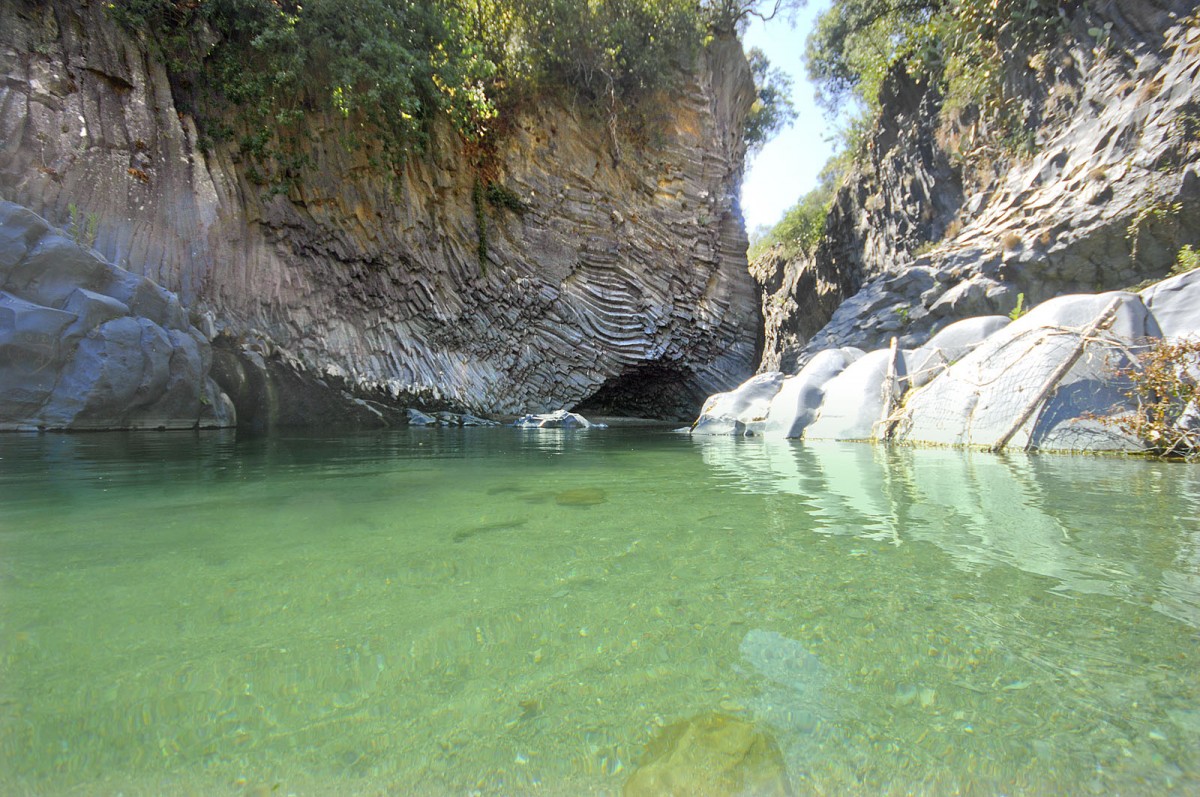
938	225
623	288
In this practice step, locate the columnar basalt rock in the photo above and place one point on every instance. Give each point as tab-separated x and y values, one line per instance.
85	344
927	230
625	277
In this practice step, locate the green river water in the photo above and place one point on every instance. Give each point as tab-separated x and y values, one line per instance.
498	611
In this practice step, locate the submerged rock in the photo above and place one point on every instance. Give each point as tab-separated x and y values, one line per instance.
712	754
581	496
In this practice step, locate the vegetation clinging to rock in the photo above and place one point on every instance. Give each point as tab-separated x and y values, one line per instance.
1165	385
967	49
391	67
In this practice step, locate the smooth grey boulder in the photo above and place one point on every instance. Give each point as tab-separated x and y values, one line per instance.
85	344
977	400
735	411
798	401
1175	303
854	399
950	345
559	419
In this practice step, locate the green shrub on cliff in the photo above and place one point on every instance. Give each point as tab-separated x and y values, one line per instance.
966	48
389	68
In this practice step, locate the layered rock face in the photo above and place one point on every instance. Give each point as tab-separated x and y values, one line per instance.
937	226
622	288
87	345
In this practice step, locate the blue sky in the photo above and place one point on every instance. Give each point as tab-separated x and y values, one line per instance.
788	165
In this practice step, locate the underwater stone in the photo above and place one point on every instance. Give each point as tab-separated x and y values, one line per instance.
710	754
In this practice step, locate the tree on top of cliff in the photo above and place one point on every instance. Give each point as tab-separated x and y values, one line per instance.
389	68
772	109
965	47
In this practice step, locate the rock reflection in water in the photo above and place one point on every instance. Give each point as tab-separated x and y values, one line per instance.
1036	513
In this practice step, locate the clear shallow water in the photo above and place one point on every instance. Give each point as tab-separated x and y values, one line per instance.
509	612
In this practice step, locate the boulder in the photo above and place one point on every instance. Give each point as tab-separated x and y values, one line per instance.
418	418
559	419
709	755
976	400
950	345
854	399
85	344
796	404
1175	303
735	411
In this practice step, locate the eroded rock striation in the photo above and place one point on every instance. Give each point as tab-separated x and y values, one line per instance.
622	288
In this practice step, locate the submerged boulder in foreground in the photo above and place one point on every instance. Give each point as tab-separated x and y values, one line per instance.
85	344
710	754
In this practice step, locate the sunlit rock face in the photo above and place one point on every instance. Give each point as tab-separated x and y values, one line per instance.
623	284
933	227
1054	379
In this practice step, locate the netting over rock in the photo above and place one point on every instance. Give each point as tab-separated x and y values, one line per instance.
979	399
949	346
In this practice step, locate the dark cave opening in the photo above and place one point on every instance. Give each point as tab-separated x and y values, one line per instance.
656	390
